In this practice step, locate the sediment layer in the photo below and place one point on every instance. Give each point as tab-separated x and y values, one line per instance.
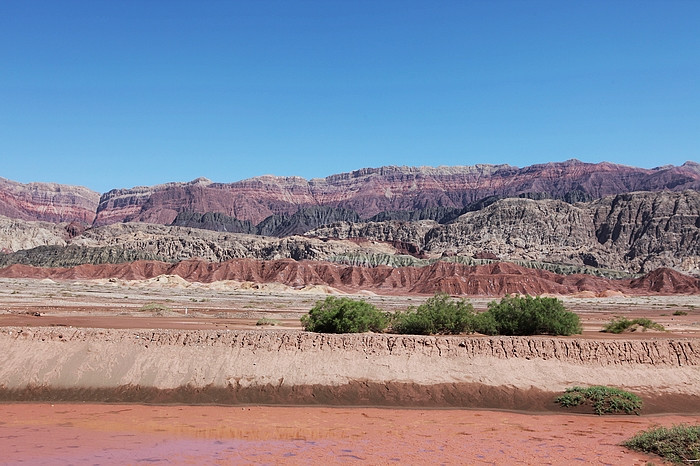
288	367
495	279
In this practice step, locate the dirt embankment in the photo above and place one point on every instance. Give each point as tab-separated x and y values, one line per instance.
296	367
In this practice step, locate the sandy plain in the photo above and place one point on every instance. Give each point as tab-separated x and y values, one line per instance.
169	302
87	433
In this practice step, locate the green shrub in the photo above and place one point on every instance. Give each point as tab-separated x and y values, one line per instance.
485	323
266	321
622	324
344	315
527	315
680	313
438	315
679	444
605	400
158	308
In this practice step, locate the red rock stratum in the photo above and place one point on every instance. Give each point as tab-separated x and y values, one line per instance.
495	279
48	202
373	190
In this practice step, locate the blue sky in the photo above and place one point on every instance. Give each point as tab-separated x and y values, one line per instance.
109	94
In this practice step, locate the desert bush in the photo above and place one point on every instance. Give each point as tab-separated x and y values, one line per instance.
680	313
605	400
156	307
485	323
527	315
679	444
622	324
438	315
344	315
267	321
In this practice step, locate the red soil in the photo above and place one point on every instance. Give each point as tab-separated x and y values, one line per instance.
483	280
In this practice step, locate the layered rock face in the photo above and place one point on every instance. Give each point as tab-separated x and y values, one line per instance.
133	241
627	232
374	190
457	279
16	235
635	232
47	201
276	225
254	200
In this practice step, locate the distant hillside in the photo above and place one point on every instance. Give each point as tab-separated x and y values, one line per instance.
457	279
630	233
371	191
633	232
562	216
48	202
389	193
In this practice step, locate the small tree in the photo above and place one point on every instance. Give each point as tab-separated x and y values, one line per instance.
527	315
344	315
438	315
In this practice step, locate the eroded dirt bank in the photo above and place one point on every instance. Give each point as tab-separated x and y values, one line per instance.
291	367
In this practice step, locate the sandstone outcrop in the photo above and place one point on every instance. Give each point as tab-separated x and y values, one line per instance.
132	241
16	235
371	191
49	202
300	222
495	279
423	212
630	233
633	232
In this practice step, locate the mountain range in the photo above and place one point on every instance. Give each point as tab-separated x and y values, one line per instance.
367	192
602	219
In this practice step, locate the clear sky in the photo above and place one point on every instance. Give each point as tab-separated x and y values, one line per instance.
110	94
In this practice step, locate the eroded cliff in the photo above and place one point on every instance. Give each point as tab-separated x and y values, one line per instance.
634	232
373	190
49	202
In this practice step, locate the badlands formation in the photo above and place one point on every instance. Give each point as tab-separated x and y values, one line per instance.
151	294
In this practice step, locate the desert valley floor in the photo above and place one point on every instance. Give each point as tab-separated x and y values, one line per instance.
80	358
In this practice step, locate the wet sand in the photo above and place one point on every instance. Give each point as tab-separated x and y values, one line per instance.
138	434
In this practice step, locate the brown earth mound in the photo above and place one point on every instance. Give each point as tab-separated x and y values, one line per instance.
481	280
666	281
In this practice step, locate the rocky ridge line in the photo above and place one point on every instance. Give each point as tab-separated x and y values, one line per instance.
629	233
371	191
50	202
632	232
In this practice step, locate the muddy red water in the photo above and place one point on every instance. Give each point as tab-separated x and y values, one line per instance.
137	434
